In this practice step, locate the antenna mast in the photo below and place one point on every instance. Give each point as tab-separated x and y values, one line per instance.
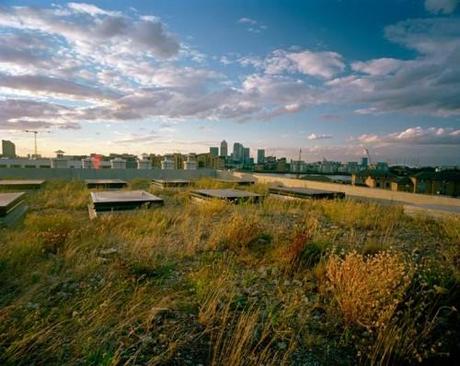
35	141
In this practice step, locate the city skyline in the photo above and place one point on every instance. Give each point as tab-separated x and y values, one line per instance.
132	77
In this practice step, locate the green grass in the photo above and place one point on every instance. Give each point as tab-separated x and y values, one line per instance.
220	284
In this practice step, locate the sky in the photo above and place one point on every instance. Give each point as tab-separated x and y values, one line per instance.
330	77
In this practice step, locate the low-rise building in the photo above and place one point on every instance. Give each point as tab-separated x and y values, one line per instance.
190	163
373	179
402	184
118	163
167	163
446	182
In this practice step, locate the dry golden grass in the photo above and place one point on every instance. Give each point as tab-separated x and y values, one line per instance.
368	290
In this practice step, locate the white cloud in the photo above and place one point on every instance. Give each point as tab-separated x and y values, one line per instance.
23	114
90	9
430	36
247	21
381	66
323	65
441	6
417	135
253	25
315	136
427	84
53	86
101	28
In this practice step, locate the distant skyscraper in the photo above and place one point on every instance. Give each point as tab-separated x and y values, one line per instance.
246	155
260	156
214	151
8	149
224	148
364	162
238	151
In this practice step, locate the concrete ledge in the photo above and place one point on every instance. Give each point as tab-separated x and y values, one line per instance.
124	174
428	202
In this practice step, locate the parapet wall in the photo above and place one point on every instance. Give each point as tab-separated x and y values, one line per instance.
126	174
349	190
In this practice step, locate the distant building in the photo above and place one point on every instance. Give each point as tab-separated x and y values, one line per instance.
364	163
118	163
167	163
86	163
329	167
218	163
246	155
179	160
260	156
190	163
382	166
446	182
144	163
402	184
8	149
204	160
352	167
373	179
298	166
224	149
59	162
238	152
24	163
282	165
214	151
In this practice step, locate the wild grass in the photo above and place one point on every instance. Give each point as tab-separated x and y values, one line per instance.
281	282
368	290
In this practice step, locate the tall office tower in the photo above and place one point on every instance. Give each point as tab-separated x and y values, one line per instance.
224	149
214	151
8	149
238	151
260	156
246	155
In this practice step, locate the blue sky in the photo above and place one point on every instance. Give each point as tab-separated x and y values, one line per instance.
327	76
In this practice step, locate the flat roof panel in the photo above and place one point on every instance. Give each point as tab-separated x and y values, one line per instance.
104	181
125	196
126	200
9	200
225	193
305	192
233	195
236	181
21	183
171	183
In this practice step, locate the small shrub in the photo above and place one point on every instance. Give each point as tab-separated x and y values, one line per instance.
368	290
302	251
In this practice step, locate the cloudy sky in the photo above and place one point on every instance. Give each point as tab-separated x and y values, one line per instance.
327	76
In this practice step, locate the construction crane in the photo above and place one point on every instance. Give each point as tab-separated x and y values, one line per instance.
35	140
